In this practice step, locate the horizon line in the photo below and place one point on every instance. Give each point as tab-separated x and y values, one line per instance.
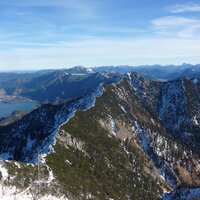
63	68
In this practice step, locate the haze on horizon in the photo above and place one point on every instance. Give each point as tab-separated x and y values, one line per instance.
45	34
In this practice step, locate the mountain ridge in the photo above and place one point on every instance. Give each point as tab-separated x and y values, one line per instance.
122	136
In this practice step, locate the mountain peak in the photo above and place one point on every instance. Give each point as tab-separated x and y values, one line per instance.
80	70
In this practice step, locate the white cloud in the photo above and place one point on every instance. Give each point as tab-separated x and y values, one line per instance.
97	51
177	26
180	8
171	39
173	21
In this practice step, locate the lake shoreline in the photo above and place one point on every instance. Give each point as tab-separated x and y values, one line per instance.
9	107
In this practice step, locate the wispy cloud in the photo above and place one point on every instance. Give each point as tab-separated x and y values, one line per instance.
177	26
86	9
173	21
181	8
46	3
98	51
60	33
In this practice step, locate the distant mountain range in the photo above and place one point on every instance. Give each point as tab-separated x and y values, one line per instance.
56	86
125	137
158	72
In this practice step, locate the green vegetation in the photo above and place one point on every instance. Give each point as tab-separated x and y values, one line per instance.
90	162
102	168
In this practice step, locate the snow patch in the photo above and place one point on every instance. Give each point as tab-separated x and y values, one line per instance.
89	70
113	125
129	76
195	120
67	161
17	164
11	195
195	81
122	107
3	170
78	74
51	176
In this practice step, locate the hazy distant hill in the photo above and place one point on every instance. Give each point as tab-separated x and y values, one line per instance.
56	86
158	72
61	85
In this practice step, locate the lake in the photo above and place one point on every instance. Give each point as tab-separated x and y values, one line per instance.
7	108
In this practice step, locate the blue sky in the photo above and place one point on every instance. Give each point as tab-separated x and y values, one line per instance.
44	34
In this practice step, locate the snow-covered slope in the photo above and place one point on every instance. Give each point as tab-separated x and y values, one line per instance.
176	103
36	132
